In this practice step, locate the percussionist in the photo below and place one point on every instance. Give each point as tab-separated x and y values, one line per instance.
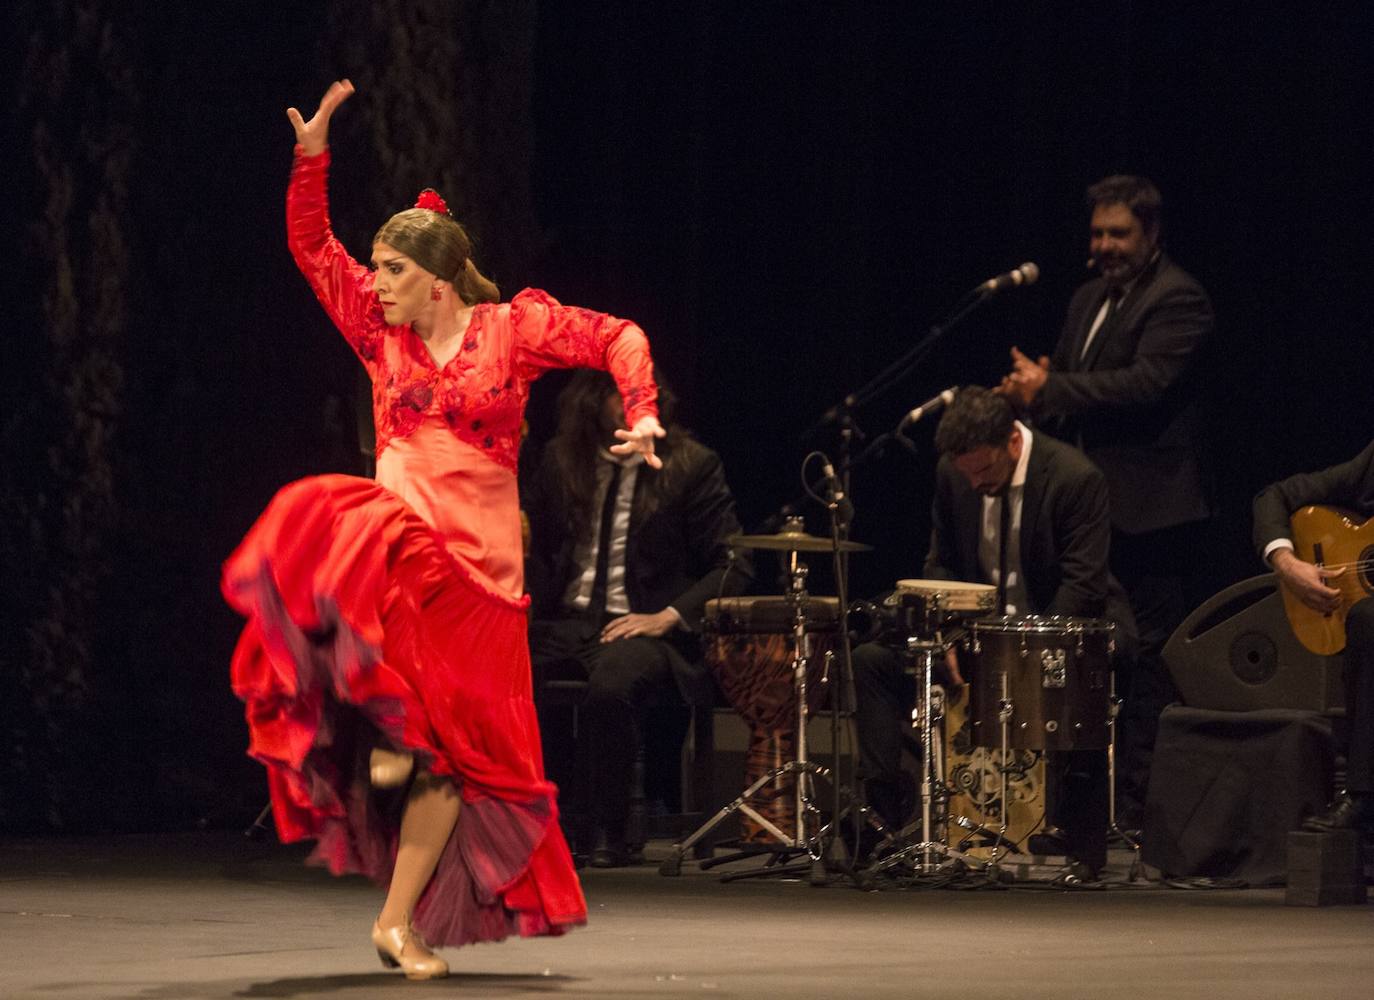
1028	515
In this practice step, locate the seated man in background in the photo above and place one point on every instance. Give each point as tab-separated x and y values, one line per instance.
1349	486
1027	514
623	559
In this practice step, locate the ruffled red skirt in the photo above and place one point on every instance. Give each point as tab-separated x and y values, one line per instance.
363	630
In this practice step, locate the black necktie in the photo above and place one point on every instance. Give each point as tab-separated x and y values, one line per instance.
1114	295
1003	530
597	605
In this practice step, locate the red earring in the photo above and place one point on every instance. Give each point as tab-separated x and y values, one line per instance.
436	293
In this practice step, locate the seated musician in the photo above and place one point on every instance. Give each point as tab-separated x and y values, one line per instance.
1027	514
623	559
1349	486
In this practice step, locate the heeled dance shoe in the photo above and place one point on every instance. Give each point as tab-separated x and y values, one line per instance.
391	949
388	768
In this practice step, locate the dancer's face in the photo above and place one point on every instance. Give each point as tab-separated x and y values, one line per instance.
402	286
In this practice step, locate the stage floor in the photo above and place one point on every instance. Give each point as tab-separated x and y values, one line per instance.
191	916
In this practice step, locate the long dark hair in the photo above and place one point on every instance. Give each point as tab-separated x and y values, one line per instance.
574	446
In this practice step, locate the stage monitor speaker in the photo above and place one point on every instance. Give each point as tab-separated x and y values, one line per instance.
1237	653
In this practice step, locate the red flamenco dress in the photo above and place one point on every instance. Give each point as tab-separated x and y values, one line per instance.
392	612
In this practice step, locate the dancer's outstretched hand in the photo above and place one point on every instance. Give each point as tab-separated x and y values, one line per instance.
313	135
641	439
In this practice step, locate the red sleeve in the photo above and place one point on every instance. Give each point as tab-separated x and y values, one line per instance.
551	335
343	286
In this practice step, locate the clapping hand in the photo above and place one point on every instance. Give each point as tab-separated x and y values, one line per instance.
1026	379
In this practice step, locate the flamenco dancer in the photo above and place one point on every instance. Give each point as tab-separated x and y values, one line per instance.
385	665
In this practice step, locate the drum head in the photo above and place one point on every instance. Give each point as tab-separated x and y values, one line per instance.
952	595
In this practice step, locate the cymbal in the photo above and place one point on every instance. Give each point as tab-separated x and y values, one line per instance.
794	541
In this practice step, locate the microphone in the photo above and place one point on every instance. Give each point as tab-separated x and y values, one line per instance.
932	405
1023	275
844	510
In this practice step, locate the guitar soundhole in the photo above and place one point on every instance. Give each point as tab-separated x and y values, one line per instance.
1366	568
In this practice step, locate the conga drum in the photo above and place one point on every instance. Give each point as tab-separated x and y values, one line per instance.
749	650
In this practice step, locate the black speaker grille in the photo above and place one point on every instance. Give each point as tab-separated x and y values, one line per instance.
1254	658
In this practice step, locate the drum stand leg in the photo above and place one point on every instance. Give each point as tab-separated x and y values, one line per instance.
930	856
1114	710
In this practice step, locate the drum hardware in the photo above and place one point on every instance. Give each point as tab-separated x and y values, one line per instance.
932	613
1114	710
931	854
807	836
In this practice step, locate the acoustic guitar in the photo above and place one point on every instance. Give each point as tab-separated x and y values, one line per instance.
1333	539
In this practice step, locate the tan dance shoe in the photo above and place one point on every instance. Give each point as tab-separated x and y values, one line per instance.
389	769
420	963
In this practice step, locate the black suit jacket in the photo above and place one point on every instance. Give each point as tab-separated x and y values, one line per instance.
1349	485
1065	536
1132	402
676	554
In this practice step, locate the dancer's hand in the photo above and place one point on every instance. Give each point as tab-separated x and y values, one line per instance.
640	438
313	135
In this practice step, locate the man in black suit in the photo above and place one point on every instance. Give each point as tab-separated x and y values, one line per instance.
623	560
1349	486
1123	385
1053	545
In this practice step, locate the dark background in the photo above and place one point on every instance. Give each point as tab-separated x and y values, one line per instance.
784	195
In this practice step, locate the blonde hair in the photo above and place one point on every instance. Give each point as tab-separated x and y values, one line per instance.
441	246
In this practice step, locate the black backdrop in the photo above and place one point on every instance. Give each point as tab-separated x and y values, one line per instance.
785	195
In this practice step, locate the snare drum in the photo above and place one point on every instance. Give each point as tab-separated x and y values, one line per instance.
927	606
1054	672
749	650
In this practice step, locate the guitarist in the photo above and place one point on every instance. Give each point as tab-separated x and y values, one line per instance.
1349	486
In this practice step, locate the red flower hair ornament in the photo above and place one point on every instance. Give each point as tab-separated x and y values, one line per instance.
430	199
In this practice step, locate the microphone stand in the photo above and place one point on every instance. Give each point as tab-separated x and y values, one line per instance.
842	414
899	369
842	699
